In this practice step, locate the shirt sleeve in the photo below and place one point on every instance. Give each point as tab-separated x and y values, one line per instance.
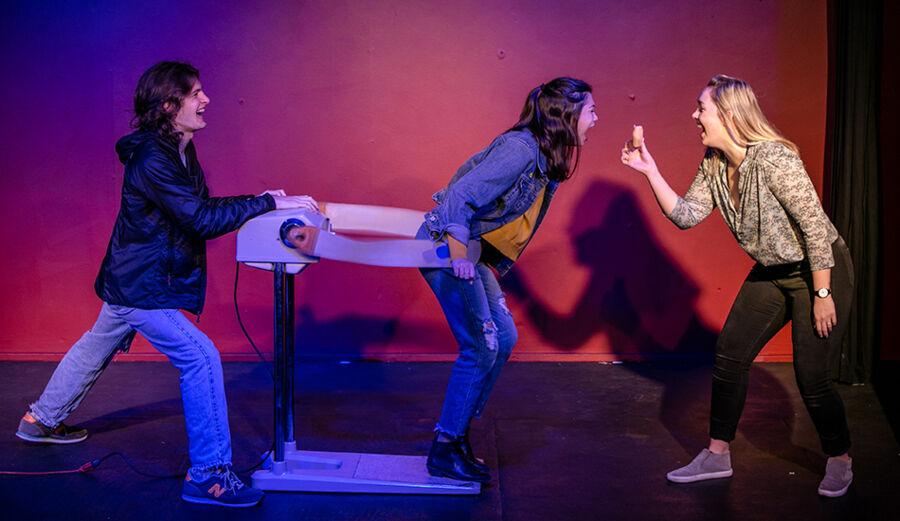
696	204
176	196
788	181
486	182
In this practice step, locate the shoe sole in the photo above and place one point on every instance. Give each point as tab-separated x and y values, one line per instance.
47	439
439	473
205	501
700	477
835	493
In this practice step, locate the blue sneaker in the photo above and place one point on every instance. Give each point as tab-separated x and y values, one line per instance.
221	488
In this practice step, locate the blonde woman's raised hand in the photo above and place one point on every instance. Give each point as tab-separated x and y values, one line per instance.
638	158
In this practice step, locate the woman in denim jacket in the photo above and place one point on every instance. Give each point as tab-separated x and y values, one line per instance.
488	214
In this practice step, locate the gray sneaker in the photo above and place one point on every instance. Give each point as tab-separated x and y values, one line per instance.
838	477
36	432
706	465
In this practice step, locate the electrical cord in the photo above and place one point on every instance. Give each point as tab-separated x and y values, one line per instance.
92	465
262	460
237	312
95	463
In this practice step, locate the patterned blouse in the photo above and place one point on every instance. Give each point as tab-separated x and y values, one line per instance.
779	219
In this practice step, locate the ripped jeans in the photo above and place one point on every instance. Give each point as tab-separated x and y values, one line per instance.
485	333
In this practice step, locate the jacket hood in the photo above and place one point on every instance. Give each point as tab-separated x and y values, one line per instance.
126	145
129	144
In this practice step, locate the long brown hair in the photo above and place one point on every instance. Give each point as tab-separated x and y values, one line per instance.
551	113
159	95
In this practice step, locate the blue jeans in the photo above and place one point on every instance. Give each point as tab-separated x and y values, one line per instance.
170	332
484	330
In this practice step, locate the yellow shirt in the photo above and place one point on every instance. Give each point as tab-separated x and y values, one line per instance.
511	238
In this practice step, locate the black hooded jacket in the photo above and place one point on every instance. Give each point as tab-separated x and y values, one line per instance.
156	258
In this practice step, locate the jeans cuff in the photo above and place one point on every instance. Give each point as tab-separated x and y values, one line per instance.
40	418
444	432
205	468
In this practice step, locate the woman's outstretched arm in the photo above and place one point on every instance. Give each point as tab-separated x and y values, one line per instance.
683	212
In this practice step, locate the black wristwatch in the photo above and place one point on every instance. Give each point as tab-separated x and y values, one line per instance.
823	292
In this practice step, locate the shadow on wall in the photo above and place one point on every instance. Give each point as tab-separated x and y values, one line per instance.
636	295
351	335
640	298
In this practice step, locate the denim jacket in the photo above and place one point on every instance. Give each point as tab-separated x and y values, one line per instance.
492	188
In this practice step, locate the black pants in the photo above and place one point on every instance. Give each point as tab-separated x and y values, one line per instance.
769	298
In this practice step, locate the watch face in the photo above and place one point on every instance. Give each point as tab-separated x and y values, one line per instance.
824	292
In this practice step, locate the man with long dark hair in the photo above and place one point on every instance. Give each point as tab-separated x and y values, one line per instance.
155	266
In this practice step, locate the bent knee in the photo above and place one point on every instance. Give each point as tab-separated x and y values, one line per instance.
727	364
491	335
203	354
508	338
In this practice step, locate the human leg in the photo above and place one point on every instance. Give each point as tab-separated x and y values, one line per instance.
811	368
467	311
813	353
507	335
758	312
73	378
210	479
201	381
468	314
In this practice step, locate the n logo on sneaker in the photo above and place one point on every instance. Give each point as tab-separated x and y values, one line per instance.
216	490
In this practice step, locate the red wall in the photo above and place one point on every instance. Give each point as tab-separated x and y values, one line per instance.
379	103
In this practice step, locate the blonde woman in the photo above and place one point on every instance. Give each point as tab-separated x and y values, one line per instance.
803	271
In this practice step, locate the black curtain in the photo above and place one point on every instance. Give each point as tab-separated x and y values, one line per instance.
855	36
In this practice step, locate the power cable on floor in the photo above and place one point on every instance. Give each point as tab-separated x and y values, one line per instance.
237	312
95	463
90	466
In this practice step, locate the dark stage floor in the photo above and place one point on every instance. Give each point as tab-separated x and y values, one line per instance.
576	441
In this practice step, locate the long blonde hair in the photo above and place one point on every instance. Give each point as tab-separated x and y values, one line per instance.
747	124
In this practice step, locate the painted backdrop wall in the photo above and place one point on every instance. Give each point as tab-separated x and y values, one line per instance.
378	103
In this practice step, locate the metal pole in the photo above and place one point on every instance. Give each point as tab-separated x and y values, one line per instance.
279	362
290	370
